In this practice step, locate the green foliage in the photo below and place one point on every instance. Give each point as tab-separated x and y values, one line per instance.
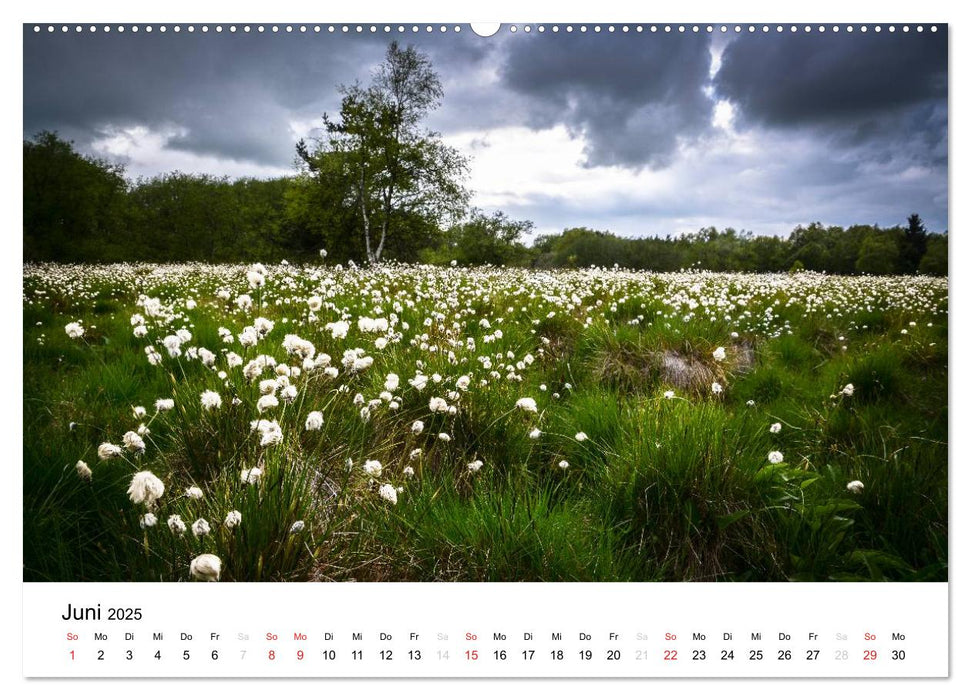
483	239
691	490
400	179
73	205
655	488
198	217
879	254
934	261
876	375
501	533
82	209
831	249
913	247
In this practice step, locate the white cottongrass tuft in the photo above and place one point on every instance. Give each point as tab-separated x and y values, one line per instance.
148	520
74	330
338	329
233	518
270	431
193	492
176	525
250	476
210	400
315	421
133	442
200	528
419	381
256	276
145	488
266	402
775	457
206	567
108	451
298	526
855	487
775	427
388	493
527	404
84	471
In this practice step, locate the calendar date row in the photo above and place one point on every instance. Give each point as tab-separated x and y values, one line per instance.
496	655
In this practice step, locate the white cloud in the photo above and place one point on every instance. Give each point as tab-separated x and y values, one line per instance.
145	152
724	115
517	165
763	181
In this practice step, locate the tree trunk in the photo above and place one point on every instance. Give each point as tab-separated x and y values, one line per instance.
388	195
384	233
367	222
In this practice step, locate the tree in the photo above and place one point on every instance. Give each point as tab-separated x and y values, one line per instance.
485	239
878	254
934	261
810	246
73	204
317	216
769	254
397	176
914	244
180	216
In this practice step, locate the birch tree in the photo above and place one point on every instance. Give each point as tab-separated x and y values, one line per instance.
391	167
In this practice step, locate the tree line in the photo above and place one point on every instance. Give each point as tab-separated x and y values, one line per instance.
378	185
858	249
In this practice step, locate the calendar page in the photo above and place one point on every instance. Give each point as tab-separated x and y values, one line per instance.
436	349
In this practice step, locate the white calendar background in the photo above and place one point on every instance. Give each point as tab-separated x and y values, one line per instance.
486	630
920	610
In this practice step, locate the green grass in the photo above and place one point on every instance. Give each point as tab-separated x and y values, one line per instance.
677	489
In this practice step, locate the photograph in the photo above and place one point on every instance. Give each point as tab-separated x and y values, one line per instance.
411	303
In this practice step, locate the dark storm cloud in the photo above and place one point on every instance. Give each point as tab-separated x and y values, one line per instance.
874	104
834	127
230	95
879	96
831	77
632	96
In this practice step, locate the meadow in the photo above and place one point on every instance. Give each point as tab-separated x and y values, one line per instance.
413	422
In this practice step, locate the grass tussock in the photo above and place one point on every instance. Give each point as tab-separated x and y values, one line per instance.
419	423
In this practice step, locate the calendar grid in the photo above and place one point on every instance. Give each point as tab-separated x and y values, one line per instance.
486	630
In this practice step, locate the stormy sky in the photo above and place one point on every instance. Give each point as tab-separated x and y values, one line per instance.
637	133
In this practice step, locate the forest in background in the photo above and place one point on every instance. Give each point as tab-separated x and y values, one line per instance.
83	209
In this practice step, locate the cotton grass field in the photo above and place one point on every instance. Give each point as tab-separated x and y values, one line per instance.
404	422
